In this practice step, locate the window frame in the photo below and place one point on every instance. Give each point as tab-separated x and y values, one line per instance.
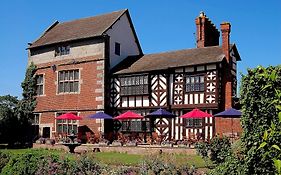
193	122
135	126
191	87
134	85
117	49
66	82
62	50
69	124
41	84
36	119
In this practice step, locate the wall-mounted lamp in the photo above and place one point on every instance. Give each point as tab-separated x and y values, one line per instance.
54	67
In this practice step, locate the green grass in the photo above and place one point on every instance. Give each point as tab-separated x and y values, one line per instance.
116	159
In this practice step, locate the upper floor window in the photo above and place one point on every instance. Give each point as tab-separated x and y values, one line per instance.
68	81
62	50
136	85
117	48
193	122
194	83
39	84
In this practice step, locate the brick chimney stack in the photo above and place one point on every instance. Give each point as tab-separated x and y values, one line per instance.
206	32
225	30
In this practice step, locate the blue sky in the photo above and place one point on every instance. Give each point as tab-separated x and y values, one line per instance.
161	25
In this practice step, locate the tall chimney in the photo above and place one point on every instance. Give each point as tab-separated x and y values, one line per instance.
206	32
225	30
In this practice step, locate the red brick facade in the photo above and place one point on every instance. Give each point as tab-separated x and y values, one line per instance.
85	102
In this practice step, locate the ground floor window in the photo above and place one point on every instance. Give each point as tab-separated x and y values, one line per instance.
66	126
135	126
193	122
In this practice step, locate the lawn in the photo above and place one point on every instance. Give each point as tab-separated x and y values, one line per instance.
116	158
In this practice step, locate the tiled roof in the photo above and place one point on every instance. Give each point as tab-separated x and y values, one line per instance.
180	58
78	29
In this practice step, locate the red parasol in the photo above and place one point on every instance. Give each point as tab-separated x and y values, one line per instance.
196	113
128	116
68	116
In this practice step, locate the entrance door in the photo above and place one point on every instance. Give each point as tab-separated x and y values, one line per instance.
46	132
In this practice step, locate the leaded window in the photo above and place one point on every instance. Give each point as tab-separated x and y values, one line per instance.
62	50
134	85
194	83
68	81
35	119
193	122
67	126
135	126
39	84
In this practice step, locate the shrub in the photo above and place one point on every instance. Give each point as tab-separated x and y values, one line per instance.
261	104
220	149
231	166
161	165
217	150
23	164
4	159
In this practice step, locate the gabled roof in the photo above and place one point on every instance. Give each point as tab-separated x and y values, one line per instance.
165	60
78	29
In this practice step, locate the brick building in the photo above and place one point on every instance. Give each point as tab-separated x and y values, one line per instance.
96	64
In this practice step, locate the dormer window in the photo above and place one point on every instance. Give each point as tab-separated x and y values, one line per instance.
117	48
62	50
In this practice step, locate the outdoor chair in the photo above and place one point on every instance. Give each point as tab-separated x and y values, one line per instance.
90	137
191	139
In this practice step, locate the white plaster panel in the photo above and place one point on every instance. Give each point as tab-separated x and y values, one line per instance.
200	68
131	102
138	101
121	32
189	69
124	102
145	101
171	89
178	70
186	99
211	67
196	99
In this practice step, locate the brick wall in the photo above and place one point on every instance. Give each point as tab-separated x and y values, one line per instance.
228	125
89	99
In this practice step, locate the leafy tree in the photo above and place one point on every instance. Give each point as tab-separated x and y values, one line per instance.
8	119
28	103
260	100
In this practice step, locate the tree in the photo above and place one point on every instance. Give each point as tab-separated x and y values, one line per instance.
259	100
8	119
28	103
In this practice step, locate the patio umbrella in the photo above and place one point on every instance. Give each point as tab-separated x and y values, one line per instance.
128	116
100	115
230	112
196	113
161	113
68	116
